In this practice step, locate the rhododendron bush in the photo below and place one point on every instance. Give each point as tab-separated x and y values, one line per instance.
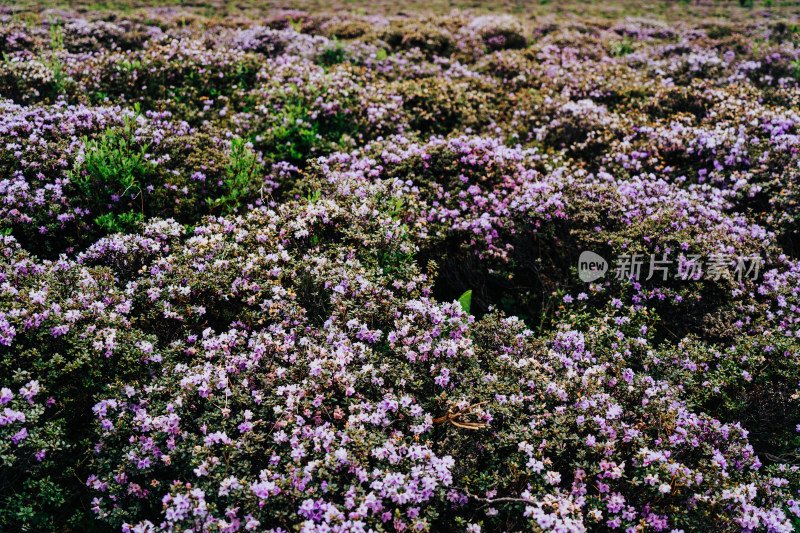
320	272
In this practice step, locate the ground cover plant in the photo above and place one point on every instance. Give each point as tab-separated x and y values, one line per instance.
320	270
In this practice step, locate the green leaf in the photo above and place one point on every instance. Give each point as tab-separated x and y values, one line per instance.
466	301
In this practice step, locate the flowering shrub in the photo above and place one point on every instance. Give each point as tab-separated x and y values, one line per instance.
84	171
315	272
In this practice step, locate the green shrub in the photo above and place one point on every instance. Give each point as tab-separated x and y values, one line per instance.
111	176
243	176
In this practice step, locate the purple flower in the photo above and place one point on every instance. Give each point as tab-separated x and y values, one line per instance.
5	395
57	331
20	435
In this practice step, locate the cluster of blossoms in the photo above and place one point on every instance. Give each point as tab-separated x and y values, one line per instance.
233	251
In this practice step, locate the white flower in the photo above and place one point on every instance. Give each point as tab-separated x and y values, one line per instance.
553	478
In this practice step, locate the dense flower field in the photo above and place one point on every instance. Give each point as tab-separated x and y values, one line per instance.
321	273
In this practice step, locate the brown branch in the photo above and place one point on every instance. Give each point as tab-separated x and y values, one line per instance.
453	417
491	501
